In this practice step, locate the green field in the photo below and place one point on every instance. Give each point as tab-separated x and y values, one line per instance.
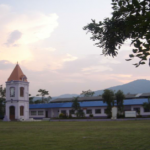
112	135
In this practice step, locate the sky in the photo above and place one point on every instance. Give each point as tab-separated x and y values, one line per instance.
47	39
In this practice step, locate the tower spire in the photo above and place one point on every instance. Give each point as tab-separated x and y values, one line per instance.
17	74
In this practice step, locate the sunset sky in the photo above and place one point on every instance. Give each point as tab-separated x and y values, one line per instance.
47	39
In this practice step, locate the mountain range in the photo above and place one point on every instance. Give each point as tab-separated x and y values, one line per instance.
134	87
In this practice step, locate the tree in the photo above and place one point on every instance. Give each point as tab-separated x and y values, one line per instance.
146	105
31	99
130	20
38	101
43	93
2	100
108	97
47	99
76	105
87	93
119	95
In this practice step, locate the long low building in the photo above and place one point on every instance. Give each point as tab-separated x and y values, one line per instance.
96	107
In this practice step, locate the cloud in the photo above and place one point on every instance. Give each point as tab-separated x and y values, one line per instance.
4	65
121	75
21	31
108	60
47	59
93	69
70	58
14	36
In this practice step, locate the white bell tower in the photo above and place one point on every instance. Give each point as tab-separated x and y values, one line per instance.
17	96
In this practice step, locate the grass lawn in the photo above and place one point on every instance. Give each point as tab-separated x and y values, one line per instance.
112	135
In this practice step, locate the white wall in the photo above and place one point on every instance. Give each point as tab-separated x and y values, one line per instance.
17	85
102	114
37	116
18	101
54	112
141	110
17	109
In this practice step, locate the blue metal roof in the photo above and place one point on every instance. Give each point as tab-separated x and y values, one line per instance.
85	104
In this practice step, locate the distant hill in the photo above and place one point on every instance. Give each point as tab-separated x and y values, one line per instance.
65	96
134	87
61	96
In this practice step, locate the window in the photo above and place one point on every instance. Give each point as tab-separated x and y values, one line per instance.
40	113
137	109
12	110
24	78
21	110
97	111
80	111
71	111
21	91
63	111
33	113
89	111
12	92
127	108
146	110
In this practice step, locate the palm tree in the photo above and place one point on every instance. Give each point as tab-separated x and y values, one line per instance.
76	105
146	105
108	97
119	99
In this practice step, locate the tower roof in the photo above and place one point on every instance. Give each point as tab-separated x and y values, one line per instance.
17	74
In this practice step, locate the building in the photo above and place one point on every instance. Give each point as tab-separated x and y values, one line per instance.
17	95
17	102
95	106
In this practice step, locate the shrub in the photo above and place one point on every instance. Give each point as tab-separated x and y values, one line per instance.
70	116
80	114
91	115
1	116
61	115
120	116
109	116
65	116
139	116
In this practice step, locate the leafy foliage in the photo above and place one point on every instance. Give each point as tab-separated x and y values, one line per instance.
77	108
61	115
108	97
90	115
87	93
146	105
2	99
75	104
31	99
43	93
119	95
130	20
80	113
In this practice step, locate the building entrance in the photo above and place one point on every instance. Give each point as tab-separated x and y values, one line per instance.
12	113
